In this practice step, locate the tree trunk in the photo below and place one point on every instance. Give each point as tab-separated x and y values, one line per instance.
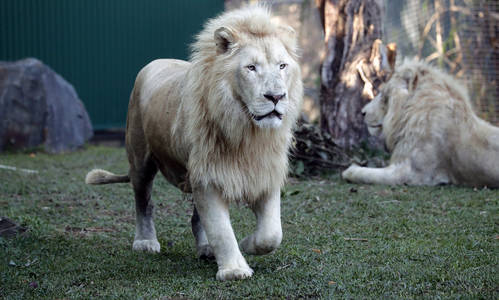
355	64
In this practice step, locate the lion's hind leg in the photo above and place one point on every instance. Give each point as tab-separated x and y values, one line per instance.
399	173
203	248
142	181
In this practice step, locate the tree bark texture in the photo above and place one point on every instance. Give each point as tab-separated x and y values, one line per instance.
355	64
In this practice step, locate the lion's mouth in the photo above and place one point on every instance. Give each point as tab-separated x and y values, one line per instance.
270	114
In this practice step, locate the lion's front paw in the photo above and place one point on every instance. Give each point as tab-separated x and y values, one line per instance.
254	246
349	173
205	252
236	269
146	245
234	273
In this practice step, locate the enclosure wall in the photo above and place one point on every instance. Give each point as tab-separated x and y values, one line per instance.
100	45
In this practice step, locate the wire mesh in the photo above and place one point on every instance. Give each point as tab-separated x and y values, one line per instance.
461	36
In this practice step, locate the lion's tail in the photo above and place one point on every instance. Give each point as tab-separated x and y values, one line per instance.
98	176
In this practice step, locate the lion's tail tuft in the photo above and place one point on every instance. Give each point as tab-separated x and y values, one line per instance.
98	176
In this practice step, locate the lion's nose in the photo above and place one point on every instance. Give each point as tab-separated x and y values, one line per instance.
274	98
363	112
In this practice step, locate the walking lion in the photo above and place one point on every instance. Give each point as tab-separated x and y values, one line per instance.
219	127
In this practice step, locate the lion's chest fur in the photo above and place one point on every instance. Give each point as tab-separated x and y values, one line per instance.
246	172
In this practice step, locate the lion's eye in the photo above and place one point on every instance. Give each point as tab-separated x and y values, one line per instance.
251	67
282	66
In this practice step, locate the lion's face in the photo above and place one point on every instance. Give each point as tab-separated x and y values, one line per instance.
260	73
391	97
262	79
374	113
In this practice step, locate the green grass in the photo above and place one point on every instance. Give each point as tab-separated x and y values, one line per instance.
439	242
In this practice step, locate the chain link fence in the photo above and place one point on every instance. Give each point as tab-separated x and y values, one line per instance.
461	36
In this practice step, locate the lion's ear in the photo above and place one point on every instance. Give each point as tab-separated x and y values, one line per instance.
224	37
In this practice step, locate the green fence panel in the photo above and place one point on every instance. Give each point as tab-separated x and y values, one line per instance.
100	45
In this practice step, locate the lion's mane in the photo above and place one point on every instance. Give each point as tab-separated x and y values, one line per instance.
433	97
227	149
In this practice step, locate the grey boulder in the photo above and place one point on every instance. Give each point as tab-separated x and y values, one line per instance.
39	108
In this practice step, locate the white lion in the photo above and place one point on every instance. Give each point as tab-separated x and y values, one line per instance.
427	122
218	126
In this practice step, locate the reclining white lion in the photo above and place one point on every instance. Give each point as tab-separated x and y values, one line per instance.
428	124
218	126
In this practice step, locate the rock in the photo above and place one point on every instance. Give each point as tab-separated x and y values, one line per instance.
38	107
9	228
